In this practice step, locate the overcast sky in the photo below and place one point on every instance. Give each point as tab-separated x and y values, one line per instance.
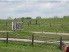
33	8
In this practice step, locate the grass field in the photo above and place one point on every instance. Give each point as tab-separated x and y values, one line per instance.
28	35
46	25
26	47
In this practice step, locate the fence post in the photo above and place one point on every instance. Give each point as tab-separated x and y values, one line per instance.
7	37
32	39
30	21
60	42
50	25
36	21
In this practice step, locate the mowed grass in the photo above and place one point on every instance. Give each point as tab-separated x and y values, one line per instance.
47	37
47	25
17	34
28	35
27	47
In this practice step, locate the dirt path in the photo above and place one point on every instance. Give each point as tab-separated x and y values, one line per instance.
6	31
37	41
52	33
44	32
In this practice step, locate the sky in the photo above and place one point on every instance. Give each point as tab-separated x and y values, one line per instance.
33	8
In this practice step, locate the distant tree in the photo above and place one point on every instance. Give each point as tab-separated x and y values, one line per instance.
55	16
38	17
28	18
22	19
65	16
15	18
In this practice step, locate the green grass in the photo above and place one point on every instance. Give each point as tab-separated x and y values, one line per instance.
47	25
57	24
27	47
50	37
17	34
28	35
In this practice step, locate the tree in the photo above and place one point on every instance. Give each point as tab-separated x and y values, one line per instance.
28	18
38	17
55	16
15	18
65	16
22	19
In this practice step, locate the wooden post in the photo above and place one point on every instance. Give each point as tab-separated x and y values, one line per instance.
36	21
32	39
30	21
60	42
7	37
50	25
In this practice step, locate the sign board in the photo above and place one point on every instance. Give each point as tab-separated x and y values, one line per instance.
17	25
